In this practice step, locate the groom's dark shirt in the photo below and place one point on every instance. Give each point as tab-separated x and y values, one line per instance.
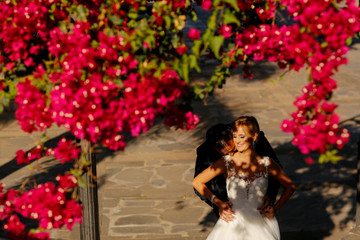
206	156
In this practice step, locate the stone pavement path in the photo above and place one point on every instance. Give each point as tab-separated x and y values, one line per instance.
145	191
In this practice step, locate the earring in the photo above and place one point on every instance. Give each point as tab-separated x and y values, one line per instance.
253	144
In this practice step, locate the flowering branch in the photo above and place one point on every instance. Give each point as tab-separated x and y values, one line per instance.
103	68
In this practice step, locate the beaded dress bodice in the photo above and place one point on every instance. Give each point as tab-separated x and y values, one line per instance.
246	194
243	191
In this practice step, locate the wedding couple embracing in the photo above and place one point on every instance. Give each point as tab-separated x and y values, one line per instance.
238	174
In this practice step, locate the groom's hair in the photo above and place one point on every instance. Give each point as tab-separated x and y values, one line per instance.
218	135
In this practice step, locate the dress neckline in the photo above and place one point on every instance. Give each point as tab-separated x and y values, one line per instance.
231	171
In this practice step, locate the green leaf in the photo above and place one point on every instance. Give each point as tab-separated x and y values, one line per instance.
5	101
63	27
329	156
44	138
207	35
196	48
193	16
230	18
234	4
82	182
167	20
209	88
84	161
349	41
215	44
194	63
133	15
95	44
76	172
116	20
324	44
310	79
216	3
81	12
52	8
12	89
175	40
1	108
197	89
184	68
150	39
211	23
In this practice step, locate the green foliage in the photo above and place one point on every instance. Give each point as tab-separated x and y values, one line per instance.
329	156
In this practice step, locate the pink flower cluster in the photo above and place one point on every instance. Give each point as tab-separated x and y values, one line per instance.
47	204
29	17
318	133
318	41
65	151
32	113
25	27
175	117
88	105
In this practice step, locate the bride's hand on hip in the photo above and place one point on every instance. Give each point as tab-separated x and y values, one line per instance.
225	211
268	212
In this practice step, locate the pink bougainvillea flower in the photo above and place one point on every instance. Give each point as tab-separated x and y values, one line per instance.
182	49
14	226
9	66
66	151
226	31
206	4
32	112
38	235
145	44
191	120
66	181
21	157
309	160
329	107
35	153
2	85
194	34
29	62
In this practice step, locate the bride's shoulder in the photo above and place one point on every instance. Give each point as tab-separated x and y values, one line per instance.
226	159
266	161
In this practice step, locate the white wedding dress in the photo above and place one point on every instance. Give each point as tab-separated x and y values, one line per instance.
246	196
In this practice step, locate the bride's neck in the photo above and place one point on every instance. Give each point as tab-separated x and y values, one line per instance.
247	156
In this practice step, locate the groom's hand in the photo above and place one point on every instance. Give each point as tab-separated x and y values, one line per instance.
225	211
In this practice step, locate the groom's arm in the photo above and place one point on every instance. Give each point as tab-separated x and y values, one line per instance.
202	162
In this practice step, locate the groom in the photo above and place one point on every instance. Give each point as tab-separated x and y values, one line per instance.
218	143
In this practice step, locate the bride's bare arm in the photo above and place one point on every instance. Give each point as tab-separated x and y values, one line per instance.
289	188
205	176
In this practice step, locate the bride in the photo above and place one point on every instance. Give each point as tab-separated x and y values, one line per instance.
244	216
